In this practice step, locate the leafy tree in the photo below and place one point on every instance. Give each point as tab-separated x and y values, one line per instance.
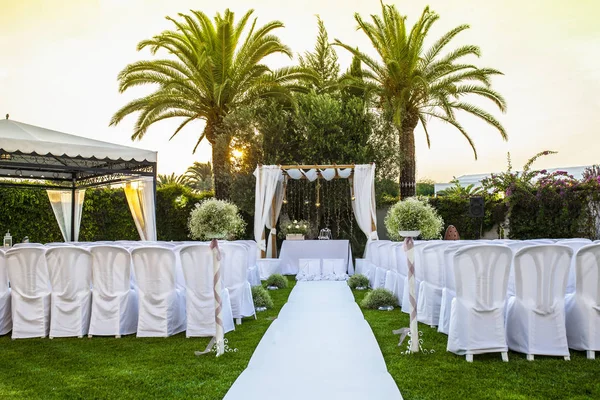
215	70
199	176
163	180
460	191
323	62
415	83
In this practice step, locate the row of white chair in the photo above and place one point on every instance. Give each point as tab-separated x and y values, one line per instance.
74	291
438	285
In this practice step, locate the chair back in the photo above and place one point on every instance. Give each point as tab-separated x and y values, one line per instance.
587	273
24	245
3	274
234	264
433	262
111	270
70	270
155	270
28	271
481	275
252	251
541	273
197	265
401	262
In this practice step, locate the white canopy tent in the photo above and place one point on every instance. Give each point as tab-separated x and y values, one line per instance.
271	185
66	164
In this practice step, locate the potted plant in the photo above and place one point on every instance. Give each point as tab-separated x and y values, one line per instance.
295	230
215	219
413	217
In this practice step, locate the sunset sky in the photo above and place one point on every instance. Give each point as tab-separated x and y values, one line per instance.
59	61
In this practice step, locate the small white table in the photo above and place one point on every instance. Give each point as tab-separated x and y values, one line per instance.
294	250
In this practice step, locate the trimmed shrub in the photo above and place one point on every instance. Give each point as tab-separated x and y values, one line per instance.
261	297
379	298
214	218
358	280
277	280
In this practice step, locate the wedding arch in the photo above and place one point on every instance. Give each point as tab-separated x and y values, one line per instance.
271	182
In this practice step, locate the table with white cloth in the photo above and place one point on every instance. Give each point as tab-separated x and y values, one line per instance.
294	250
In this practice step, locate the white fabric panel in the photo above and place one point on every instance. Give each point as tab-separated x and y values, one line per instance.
17	136
30	292
294	250
234	267
295	173
61	202
477	317
309	269
161	302
140	198
321	321
5	314
535	316
70	272
430	290
328	173
197	264
311	174
449	289
267	178
583	306
268	267
279	192
115	299
253	274
334	269
391	282
364	206
345	172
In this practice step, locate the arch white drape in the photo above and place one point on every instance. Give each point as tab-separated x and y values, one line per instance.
140	198
270	188
61	202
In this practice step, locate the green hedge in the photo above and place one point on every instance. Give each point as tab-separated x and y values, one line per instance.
106	215
455	211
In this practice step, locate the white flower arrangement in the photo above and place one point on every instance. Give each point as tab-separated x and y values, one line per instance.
215	219
413	214
294	227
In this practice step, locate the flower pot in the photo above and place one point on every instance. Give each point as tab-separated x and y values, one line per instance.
411	234
294	236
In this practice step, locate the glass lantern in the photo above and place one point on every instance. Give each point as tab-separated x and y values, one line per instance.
325	234
7	240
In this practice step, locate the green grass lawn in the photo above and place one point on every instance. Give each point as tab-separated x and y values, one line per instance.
128	368
443	375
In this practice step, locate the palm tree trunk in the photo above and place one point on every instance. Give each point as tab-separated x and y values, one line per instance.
221	168
408	163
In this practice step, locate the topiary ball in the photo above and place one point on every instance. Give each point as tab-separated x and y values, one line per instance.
277	280
358	280
379	298
261	297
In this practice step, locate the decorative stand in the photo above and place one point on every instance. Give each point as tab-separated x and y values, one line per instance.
413	330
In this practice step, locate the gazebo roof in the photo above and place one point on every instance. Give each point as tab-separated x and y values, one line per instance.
32	152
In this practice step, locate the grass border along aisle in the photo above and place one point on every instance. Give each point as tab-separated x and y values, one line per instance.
446	376
130	367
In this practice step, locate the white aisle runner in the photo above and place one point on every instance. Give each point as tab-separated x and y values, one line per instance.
319	347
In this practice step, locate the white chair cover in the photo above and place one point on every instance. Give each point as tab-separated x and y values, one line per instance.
575	245
267	267
161	301
477	317
197	265
430	290
334	269
70	272
381	258
449	289
535	316
253	272
309	269
583	306
5	315
30	292
29	245
115	301
234	264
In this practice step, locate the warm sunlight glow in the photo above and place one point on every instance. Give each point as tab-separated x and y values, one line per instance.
237	154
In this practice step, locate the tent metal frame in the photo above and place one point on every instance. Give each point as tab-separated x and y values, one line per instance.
19	169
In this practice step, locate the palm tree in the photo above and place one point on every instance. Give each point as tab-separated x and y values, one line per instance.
459	191
415	84
322	62
199	176
211	71
172	179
